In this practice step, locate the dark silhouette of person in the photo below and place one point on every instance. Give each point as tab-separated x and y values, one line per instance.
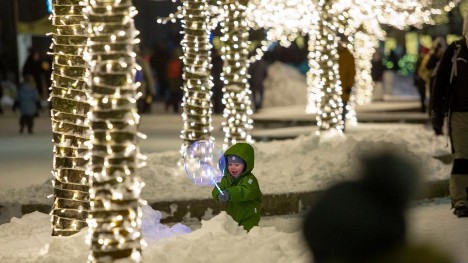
175	81
450	99
33	67
393	57
364	220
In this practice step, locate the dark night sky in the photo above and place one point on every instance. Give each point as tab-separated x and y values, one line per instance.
151	32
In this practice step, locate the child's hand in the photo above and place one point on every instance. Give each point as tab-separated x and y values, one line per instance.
224	196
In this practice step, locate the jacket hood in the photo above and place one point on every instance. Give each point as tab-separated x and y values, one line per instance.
244	151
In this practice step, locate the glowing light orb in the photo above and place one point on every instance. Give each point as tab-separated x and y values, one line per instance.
204	163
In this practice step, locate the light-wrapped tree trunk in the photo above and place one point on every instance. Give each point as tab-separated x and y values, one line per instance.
314	86
329	111
114	224
70	126
364	47
196	102
237	124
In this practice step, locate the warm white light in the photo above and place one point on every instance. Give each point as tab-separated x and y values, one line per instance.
115	186
236	91
70	126
196	101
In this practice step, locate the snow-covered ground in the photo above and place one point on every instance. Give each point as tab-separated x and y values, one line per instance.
277	239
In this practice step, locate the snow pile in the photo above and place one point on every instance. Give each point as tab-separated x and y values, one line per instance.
153	230
218	240
277	239
284	86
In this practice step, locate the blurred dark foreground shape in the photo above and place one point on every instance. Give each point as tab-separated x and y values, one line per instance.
364	220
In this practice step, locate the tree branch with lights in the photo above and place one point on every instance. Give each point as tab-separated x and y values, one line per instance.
114	224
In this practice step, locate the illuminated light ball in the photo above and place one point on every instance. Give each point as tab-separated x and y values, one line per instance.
204	163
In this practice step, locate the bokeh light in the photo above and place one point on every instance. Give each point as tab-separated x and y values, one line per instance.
204	163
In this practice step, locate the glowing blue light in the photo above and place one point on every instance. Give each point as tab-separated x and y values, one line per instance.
204	163
49	5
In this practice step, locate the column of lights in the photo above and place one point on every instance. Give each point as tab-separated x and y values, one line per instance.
115	218
197	85
314	86
366	34
347	22
236	91
329	110
70	125
364	47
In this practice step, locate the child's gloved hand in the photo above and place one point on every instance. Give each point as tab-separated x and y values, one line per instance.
224	197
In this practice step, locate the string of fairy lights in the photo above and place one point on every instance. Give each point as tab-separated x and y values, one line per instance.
70	125
236	91
115	220
196	101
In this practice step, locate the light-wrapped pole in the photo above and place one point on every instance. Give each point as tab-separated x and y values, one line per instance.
329	110
70	126
197	85
236	91
115	221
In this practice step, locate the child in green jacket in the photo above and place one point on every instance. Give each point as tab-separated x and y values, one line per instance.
239	186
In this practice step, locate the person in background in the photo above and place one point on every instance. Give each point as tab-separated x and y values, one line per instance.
377	72
420	80
450	98
428	64
347	70
158	62
175	81
258	73
1	96
28	101
3	77
147	83
240	188
364	220
34	67
394	58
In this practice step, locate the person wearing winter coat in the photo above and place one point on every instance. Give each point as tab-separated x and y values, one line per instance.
428	66
420	80
347	71
33	66
175	80
377	72
240	188
147	84
28	100
450	98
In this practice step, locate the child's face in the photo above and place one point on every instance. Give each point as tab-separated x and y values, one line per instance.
235	169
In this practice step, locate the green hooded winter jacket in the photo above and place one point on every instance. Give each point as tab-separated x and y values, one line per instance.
245	195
